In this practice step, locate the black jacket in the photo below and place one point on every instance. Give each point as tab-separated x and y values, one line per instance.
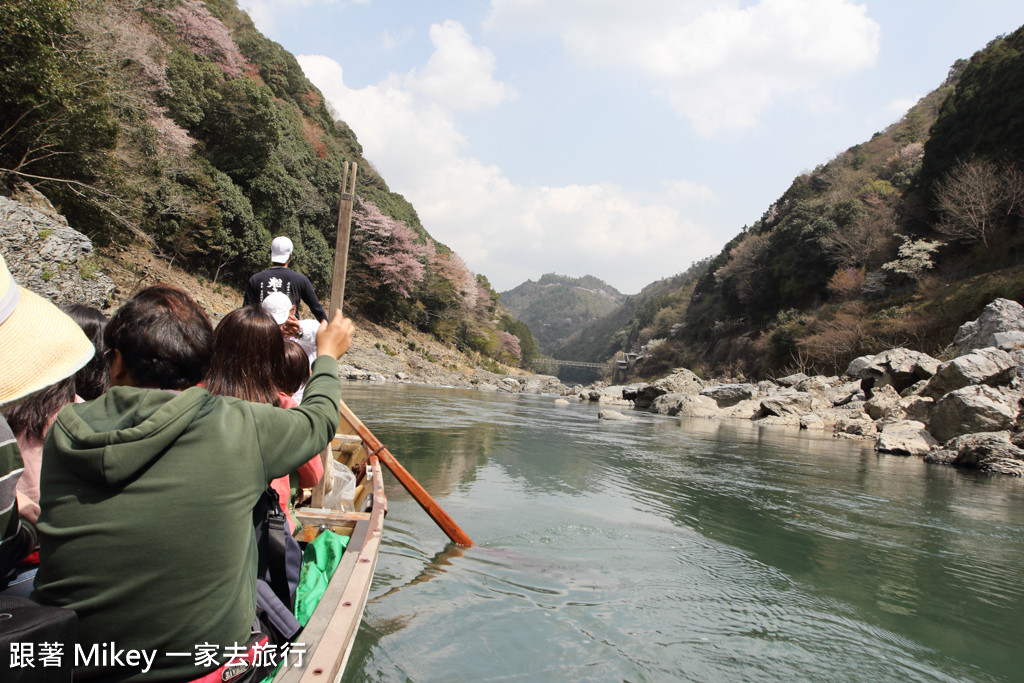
283	279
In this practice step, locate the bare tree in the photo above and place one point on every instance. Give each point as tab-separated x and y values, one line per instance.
860	244
977	199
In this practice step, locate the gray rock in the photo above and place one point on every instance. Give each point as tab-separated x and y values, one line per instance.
941	456
812	421
47	256
899	368
685	405
787	403
815	386
918	408
745	410
726	395
791	380
681	381
972	409
905	437
885	403
857	426
988	452
844	393
1000	324
858	365
990	366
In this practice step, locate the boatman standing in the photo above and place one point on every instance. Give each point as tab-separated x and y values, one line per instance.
280	278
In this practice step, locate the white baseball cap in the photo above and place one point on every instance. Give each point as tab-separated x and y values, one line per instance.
280	250
278	305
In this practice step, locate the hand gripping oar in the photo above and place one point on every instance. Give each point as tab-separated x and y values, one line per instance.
448	526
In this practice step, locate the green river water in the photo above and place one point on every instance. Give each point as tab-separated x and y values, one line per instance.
668	550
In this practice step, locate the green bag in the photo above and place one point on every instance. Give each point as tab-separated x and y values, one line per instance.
319	560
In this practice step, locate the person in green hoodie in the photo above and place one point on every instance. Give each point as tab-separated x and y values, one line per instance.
147	495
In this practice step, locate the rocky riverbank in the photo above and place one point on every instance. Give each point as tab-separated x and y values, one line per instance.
965	411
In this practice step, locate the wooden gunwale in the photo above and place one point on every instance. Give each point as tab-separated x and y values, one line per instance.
332	629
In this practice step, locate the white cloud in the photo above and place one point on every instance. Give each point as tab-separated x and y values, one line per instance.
459	74
511	232
718	64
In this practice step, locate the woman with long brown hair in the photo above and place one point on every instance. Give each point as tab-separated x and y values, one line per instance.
248	362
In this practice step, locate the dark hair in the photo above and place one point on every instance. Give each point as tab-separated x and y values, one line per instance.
94	379
164	338
295	371
248	356
34	414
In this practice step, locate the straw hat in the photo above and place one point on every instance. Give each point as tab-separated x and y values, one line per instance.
39	345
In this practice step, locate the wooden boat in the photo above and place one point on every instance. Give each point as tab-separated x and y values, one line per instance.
332	629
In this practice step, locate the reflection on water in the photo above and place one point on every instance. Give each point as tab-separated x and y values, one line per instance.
680	550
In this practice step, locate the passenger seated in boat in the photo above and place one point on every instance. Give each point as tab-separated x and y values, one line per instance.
249	362
147	494
296	371
303	332
94	379
39	346
30	420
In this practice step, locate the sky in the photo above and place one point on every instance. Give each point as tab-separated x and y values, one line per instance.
614	138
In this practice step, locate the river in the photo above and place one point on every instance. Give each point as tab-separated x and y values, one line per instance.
679	550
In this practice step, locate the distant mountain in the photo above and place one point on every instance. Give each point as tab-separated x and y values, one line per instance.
643	319
556	306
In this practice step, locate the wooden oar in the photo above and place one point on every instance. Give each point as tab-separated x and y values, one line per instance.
429	505
348	190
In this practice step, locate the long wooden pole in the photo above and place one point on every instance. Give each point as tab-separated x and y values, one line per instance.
429	505
440	517
348	192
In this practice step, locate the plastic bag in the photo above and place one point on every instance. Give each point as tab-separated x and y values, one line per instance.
344	490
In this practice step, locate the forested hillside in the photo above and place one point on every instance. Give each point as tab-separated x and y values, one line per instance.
894	242
556	306
177	125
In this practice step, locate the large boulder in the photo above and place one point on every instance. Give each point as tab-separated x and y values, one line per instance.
899	368
785	403
49	257
681	381
816	386
791	380
858	365
918	408
884	403
905	437
726	395
844	393
1001	324
990	366
685	405
745	410
973	409
857	426
988	452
